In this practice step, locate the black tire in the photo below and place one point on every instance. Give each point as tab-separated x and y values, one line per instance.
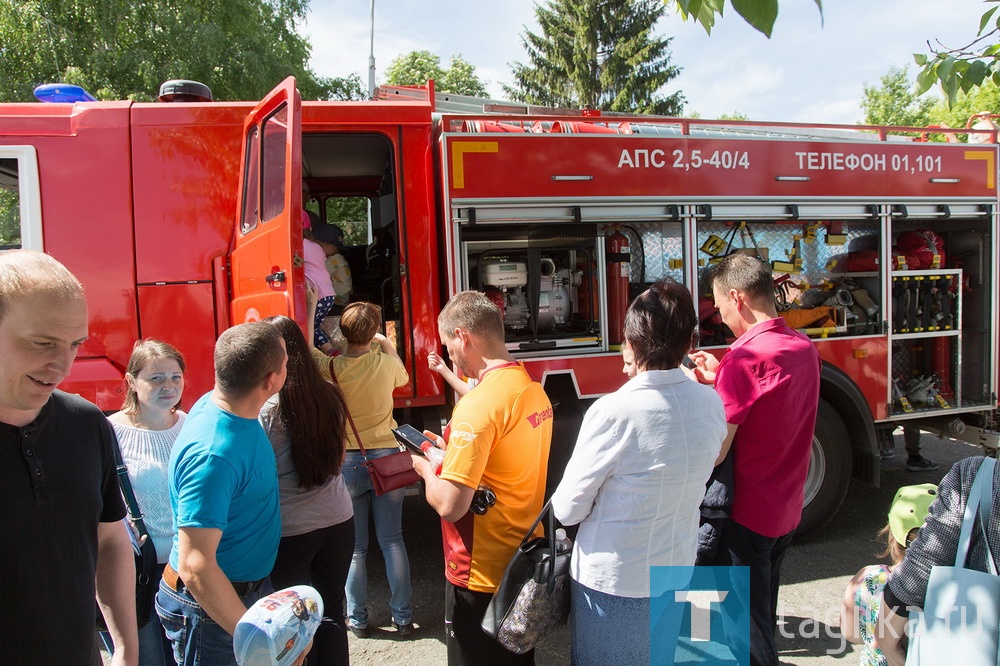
829	471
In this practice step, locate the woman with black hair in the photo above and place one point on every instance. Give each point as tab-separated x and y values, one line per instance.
305	422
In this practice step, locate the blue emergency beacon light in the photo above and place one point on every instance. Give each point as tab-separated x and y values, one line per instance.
64	93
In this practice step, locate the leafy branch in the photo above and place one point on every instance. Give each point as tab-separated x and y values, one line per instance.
760	14
965	67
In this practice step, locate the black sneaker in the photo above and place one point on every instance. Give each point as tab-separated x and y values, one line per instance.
886	454
360	632
403	629
920	464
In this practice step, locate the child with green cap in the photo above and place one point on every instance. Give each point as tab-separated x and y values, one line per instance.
863	596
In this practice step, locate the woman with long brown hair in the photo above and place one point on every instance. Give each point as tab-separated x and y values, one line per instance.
305	423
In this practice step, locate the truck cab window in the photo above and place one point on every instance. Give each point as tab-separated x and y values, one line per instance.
251	185
273	144
20	199
10	206
352	215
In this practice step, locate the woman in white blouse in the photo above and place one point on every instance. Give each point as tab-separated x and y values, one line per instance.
636	479
147	427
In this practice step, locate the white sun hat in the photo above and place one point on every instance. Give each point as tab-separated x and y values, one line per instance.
276	629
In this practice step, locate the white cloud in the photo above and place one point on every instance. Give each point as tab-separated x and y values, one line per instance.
744	86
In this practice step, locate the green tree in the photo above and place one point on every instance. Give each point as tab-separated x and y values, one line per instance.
414	69
983	99
348	89
460	78
893	102
119	49
600	54
351	215
10	219
417	67
962	68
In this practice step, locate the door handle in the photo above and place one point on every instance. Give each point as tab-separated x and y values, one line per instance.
277	276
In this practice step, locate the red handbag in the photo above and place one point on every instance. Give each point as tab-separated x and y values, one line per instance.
387	472
391	472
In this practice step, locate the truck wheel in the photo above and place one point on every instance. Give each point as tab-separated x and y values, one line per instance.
829	471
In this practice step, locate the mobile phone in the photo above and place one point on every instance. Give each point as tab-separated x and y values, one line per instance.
411	438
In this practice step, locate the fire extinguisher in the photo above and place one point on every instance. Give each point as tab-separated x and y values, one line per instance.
618	264
941	364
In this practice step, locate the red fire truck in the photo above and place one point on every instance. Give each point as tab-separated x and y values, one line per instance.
182	219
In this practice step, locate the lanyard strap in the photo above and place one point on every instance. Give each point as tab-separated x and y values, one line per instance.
134	513
350	419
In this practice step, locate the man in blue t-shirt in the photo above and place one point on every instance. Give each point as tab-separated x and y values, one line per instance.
224	498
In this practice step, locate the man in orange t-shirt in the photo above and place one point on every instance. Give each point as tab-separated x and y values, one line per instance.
498	438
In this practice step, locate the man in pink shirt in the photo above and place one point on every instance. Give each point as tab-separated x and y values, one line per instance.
769	384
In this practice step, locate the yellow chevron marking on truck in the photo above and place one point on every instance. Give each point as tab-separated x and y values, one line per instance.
991	167
458	151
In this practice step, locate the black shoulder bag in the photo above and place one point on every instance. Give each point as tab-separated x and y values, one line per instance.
532	599
145	555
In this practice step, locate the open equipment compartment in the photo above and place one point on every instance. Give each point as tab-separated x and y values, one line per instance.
942	281
544	279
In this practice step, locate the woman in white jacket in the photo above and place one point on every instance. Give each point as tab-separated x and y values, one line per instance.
636	479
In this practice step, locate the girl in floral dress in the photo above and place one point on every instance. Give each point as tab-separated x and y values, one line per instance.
863	596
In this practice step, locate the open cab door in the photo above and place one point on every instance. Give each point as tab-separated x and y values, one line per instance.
266	262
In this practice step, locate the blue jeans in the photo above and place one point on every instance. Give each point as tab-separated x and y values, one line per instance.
196	637
606	629
387	511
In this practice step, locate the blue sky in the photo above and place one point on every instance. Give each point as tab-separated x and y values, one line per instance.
809	71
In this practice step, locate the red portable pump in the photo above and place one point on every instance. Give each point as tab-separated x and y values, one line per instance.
618	259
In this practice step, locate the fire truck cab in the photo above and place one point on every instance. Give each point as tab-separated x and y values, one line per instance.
182	219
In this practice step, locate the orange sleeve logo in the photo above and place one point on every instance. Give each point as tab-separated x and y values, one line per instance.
537	418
